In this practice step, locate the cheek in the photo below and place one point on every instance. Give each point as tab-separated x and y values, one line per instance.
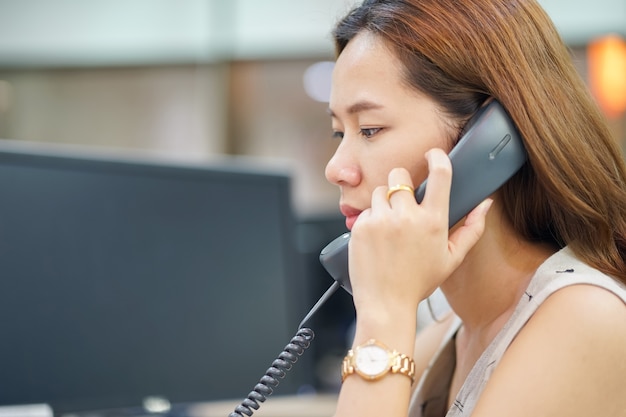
378	173
417	166
419	173
411	155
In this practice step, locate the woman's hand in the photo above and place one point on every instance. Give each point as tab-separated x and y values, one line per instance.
401	251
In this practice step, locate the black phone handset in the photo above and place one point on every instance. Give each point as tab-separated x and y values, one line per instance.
488	154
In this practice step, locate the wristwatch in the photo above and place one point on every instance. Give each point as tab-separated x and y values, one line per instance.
373	360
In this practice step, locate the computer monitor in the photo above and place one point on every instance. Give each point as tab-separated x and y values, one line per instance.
124	278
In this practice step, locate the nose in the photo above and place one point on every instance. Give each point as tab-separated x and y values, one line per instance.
343	168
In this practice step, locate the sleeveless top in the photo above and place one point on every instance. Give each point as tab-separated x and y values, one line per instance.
560	270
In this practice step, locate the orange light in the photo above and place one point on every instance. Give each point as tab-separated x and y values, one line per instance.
606	59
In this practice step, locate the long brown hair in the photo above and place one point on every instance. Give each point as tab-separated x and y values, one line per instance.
459	52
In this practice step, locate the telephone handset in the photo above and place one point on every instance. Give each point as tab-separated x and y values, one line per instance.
487	155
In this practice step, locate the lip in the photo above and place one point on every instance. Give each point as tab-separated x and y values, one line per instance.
350	213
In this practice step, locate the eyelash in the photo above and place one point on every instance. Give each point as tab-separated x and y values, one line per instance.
371	131
366	132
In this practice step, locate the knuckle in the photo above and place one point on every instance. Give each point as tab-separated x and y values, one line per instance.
399	174
397	171
380	189
441	169
436	222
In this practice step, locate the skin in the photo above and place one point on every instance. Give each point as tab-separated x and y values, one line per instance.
564	362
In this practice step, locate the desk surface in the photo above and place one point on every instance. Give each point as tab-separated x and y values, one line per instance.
274	406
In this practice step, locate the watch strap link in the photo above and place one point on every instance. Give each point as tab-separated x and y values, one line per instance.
347	365
404	365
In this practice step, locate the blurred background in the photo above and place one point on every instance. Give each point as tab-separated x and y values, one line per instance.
200	77
192	80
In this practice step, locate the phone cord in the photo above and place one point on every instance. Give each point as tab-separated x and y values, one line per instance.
295	348
264	388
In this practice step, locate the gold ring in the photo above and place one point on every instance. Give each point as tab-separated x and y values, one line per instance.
399	187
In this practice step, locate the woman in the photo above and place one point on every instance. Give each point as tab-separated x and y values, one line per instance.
534	275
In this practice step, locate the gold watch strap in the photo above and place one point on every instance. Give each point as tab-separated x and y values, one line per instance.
404	365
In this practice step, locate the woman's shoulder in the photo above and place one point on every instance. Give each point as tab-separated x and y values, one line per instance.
568	358
584	310
586	306
564	269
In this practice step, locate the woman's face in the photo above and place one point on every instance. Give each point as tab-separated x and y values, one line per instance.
381	124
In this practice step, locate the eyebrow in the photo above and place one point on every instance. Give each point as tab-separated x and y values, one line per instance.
358	107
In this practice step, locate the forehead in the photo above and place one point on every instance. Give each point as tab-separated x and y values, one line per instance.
368	53
367	68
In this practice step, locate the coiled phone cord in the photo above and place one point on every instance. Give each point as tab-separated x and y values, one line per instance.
296	347
283	363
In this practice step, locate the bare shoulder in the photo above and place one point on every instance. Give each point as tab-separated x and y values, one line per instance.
569	359
428	342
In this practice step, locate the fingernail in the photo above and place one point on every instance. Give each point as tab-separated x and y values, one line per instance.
486	205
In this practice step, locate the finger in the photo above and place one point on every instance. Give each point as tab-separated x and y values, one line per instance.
465	237
437	196
400	186
379	199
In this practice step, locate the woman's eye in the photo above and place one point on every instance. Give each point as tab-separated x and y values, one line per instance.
369	132
337	134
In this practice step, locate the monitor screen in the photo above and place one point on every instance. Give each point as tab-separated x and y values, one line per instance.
124	279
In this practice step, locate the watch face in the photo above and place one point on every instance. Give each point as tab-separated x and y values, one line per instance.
371	360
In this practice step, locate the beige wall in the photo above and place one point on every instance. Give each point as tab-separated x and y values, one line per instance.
178	109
